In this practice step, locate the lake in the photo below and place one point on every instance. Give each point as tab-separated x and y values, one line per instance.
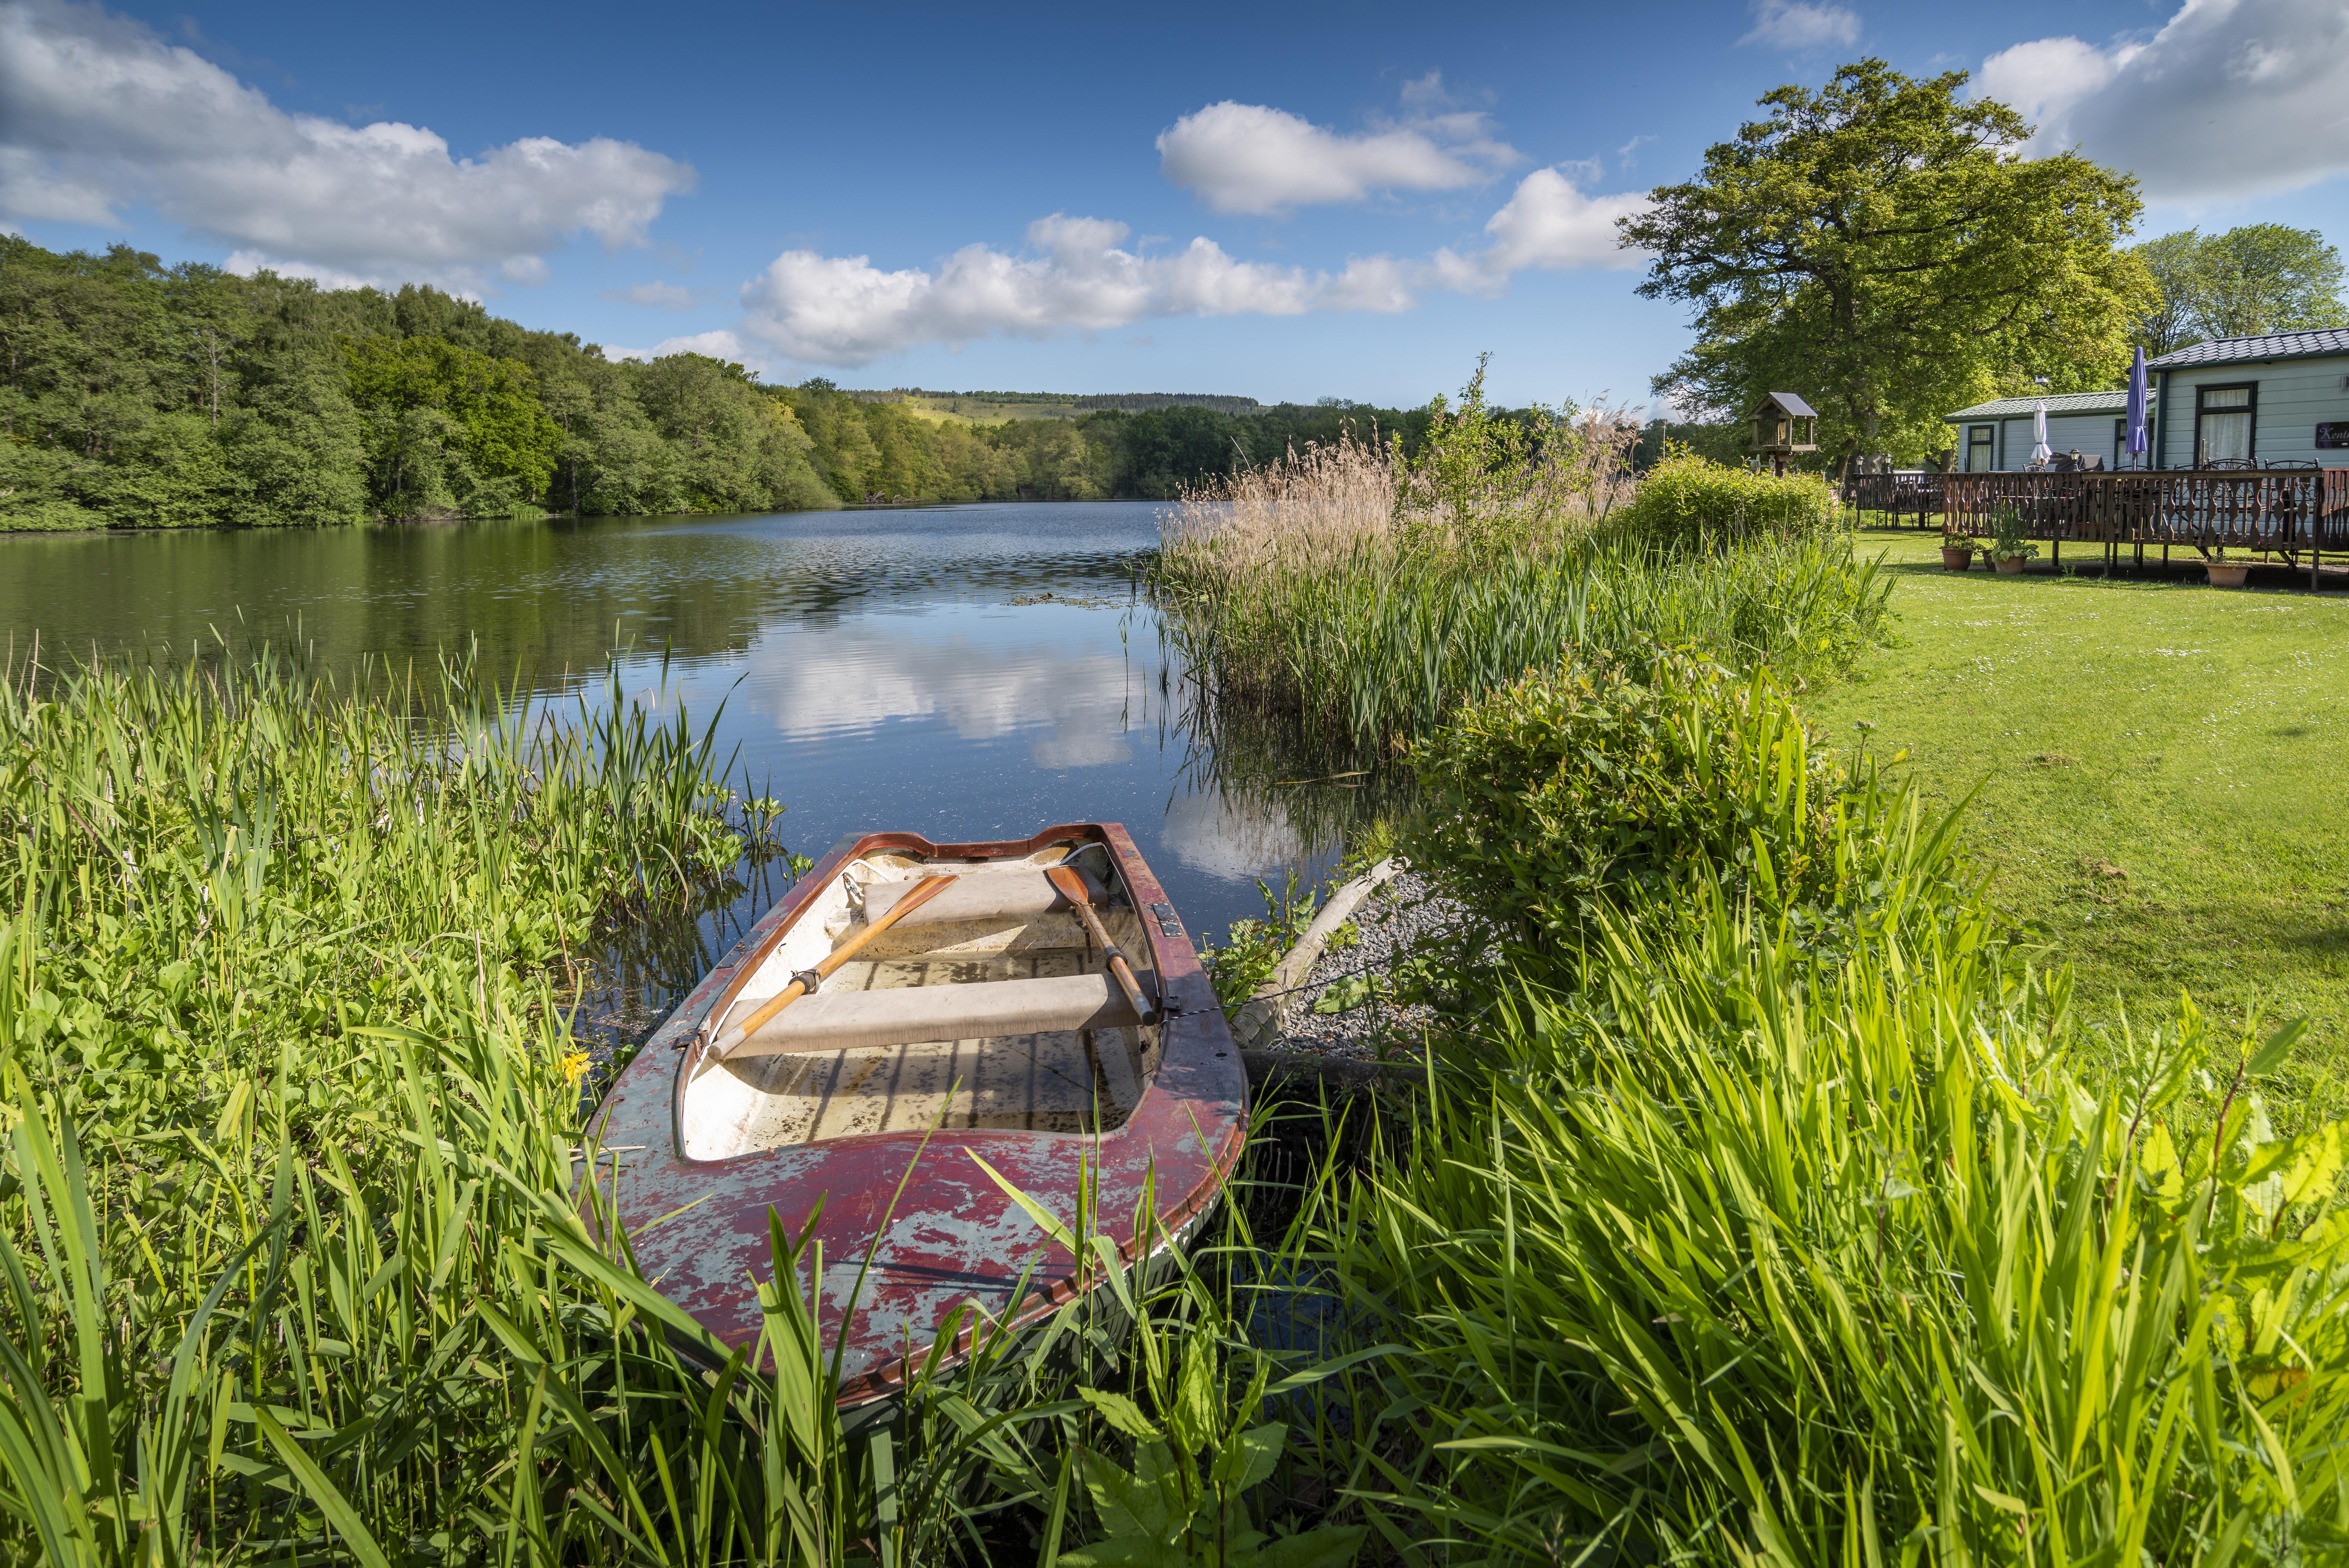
966	672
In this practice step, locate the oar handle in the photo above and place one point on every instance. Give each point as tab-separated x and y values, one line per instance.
1072	888
922	892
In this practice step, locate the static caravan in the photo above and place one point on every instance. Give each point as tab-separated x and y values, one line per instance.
2283	398
1997	437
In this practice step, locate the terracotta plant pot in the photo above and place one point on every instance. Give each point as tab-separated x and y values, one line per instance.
2228	573
1956	560
2009	566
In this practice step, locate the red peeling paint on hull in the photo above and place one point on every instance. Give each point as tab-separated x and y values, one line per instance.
952	1236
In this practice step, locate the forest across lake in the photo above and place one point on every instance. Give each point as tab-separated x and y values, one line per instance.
138	395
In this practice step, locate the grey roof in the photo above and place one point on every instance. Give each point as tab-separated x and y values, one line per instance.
1793	404
2058	404
2323	343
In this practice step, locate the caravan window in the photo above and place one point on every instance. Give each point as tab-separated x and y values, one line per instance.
1977	448
2223	422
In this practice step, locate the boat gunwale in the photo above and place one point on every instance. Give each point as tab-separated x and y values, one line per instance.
1196	1021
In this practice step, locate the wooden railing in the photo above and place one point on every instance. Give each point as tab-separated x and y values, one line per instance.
2279	509
1896	495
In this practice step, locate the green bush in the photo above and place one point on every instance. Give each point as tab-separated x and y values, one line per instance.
1605	778
1687	501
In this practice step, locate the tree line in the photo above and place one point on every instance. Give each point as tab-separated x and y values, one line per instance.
2246	283
137	395
869	451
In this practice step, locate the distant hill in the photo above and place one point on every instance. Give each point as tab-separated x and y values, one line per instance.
996	406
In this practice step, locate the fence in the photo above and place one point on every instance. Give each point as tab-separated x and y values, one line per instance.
2285	510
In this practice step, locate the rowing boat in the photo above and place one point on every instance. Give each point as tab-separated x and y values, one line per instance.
909	1011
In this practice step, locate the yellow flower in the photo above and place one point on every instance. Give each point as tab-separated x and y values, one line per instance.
574	1067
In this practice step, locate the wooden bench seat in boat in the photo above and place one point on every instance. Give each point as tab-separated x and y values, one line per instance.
987	895
907	1015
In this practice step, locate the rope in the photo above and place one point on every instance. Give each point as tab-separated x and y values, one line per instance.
1297	989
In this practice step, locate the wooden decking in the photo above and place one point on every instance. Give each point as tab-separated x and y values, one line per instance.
2295	513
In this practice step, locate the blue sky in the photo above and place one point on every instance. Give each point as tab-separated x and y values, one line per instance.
1281	202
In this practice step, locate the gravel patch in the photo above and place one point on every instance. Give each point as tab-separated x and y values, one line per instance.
1393	922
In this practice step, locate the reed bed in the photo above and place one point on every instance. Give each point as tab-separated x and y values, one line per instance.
1363	598
288	1234
1382	645
299	1259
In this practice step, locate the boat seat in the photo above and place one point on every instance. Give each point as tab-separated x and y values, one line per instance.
904	1015
981	896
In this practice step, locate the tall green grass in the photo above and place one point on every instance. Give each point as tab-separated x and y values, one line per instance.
293	1266
1377	644
1742	1232
291	1262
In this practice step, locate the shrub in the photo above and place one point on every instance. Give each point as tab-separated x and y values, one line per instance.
1687	501
1606	778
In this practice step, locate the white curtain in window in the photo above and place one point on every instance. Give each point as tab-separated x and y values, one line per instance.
2227	434
2226	429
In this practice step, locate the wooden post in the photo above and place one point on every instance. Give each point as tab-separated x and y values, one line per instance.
2315	527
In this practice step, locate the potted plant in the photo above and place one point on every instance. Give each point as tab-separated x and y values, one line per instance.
2010	545
2224	573
1957	550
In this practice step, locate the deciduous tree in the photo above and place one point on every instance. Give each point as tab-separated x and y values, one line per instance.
1884	247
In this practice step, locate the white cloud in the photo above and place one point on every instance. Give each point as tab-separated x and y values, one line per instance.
844	310
2231	98
1798	27
97	113
721	344
1230	840
656	297
1250	157
244	263
1549	223
1077	274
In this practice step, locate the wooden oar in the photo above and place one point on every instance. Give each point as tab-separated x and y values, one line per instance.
923	891
1072	888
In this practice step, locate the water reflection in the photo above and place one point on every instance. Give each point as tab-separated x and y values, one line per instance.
874	667
983	674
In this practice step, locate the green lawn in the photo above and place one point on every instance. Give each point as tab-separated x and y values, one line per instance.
2164	773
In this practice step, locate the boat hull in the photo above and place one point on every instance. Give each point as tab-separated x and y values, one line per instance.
939	1231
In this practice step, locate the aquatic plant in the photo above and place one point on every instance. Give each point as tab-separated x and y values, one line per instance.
301	1253
1382	644
1363	596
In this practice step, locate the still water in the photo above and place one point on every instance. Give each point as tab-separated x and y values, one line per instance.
899	669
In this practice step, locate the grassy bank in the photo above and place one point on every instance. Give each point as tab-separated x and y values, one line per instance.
1777	1198
1767	1208
2157	774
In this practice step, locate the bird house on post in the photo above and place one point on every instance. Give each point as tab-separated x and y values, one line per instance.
1783	425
